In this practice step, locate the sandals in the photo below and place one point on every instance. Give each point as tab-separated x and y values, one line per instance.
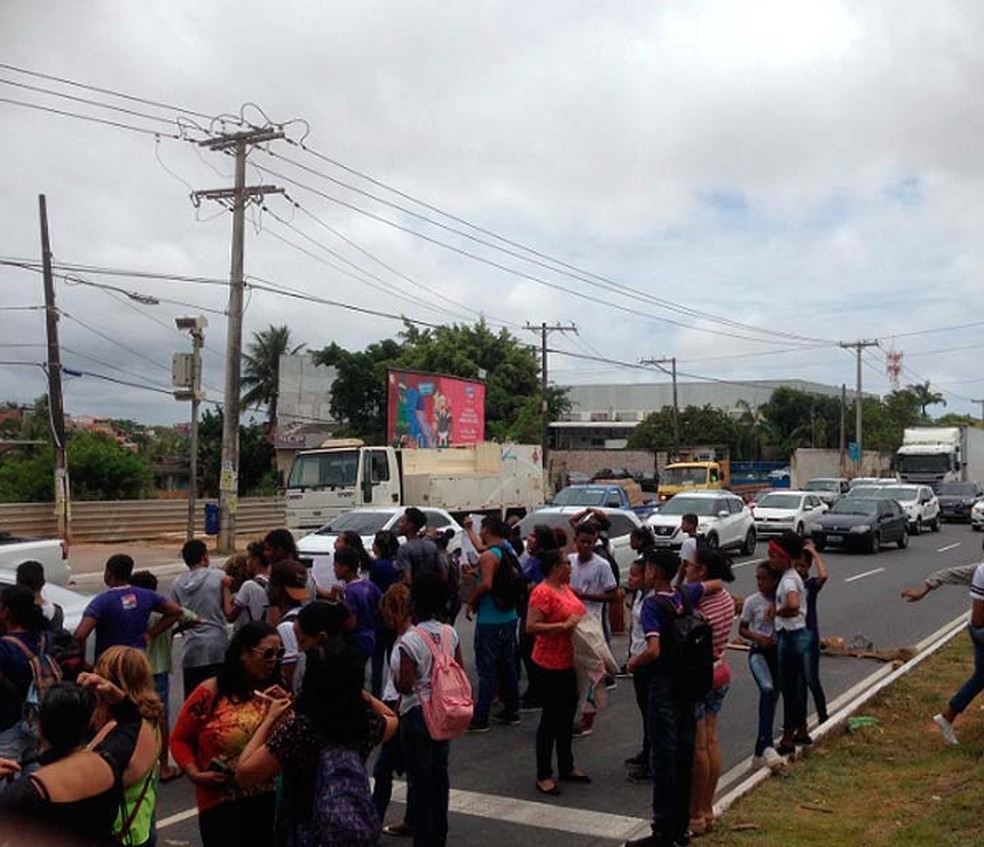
576	776
552	791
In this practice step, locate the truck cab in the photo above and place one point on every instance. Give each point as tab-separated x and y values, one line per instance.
700	475
931	456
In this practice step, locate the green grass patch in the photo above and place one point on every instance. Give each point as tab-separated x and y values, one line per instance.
894	783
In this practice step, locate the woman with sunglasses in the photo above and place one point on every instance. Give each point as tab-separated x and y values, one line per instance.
215	724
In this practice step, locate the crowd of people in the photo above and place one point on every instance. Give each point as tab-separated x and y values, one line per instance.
291	679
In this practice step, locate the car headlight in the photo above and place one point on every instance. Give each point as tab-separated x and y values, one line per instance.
861	528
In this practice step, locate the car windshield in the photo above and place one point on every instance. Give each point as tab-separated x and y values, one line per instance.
337	469
902	493
703	507
854	506
959	489
867	491
588	495
364	523
822	485
925	463
779	501
684	476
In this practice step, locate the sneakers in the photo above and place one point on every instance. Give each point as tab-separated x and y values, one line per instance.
402	829
479	726
639	760
639	775
586	726
802	737
610	683
507	718
623	672
770	758
528	705
946	728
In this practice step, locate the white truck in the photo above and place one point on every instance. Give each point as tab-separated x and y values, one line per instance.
939	454
343	474
53	554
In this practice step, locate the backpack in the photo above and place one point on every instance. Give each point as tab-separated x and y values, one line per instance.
689	648
343	811
450	708
509	583
45	673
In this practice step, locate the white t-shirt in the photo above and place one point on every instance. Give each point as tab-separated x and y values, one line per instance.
412	644
285	629
754	614
637	640
688	549
252	599
977	583
592	577
790	582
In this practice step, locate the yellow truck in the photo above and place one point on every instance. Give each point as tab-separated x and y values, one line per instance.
697	475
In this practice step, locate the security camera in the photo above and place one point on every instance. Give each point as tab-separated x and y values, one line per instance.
192	323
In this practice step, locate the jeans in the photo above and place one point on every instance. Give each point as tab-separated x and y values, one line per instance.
764	666
559	697
18	744
813	676
973	686
640	682
794	649
389	761
672	734
495	658
428	784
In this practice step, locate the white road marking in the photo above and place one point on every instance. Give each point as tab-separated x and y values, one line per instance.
755	562
512	810
863	575
949	547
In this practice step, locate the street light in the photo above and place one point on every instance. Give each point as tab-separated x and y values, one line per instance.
186	378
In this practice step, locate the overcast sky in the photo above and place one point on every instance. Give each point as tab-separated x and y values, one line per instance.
807	168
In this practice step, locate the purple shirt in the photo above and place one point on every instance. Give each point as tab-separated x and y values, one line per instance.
121	615
362	597
654	617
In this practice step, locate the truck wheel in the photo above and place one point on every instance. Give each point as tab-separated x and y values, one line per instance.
875	543
748	548
904	539
712	541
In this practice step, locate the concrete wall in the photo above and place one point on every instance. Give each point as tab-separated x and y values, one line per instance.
589	461
809	462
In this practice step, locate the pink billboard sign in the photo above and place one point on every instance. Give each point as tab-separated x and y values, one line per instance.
430	410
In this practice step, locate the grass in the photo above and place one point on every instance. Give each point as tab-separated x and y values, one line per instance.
895	783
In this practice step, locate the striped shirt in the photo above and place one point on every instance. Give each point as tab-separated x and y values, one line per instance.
719	610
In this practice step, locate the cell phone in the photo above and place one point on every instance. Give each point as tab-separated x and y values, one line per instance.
218	766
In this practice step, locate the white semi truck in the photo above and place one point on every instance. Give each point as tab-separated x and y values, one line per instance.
343	474
938	454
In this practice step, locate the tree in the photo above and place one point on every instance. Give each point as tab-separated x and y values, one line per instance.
699	426
256	457
925	396
792	418
100	468
261	369
27	476
953	419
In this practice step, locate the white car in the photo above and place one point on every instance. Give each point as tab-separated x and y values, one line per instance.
977	516
318	548
778	511
723	520
920	504
51	553
73	604
622	523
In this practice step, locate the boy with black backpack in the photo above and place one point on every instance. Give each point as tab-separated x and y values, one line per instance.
679	662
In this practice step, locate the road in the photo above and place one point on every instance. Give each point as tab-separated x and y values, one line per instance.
492	775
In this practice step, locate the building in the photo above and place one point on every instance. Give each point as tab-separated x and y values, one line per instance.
304	416
603	416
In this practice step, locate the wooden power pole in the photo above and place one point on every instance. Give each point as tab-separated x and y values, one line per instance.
237	197
676	405
545	329
56	405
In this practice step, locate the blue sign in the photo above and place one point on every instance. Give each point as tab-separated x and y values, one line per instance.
853	453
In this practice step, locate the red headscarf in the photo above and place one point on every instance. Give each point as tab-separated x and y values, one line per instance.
776	551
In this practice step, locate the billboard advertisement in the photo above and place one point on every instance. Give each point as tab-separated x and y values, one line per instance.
430	410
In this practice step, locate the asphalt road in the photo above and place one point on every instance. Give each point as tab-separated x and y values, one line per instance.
492	775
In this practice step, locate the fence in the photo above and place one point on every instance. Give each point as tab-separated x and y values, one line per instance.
128	520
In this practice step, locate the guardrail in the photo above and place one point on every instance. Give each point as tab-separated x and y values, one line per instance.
129	520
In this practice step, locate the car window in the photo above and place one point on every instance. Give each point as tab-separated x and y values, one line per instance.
736	505
379	470
435	519
620	525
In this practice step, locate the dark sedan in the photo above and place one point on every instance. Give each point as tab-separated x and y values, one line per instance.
957	499
862	523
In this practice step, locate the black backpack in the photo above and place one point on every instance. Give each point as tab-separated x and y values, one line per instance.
509	584
688	642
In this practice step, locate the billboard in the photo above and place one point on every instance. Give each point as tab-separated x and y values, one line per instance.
430	410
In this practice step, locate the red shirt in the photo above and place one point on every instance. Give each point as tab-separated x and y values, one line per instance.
554	651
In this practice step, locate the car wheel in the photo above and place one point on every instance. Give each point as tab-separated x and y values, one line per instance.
800	530
904	539
749	546
935	525
712	541
975	527
875	544
918	528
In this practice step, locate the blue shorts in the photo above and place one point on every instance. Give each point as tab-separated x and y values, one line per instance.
712	702
162	687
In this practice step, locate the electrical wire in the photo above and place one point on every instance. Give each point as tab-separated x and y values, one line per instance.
114	341
91	118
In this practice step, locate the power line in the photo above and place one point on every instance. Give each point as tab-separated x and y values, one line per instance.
91	118
112	340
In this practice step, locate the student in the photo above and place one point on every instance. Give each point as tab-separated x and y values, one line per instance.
22	628
672	725
428	783
250	600
362	598
758	628
288	591
639	764
30	574
201	590
813	585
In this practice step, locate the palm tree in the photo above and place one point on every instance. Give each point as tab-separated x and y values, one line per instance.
261	369
925	396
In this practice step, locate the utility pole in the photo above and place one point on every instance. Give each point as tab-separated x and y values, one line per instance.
676	406
545	329
229	472
187	378
858	347
843	430
56	405
981	402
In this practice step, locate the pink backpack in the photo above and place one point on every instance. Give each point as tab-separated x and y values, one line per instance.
450	708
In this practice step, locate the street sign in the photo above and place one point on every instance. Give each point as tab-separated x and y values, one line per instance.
853	453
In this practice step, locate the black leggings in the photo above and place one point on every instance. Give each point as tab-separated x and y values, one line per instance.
246	822
558	692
